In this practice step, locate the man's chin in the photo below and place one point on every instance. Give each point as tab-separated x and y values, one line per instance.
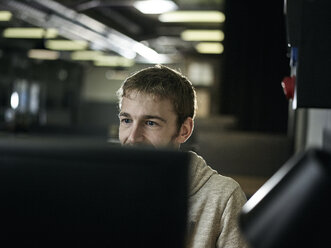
150	145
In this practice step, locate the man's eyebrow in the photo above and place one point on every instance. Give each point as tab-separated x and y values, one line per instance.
155	117
124	114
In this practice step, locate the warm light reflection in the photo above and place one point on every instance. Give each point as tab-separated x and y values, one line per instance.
202	35
5	15
51	33
209	47
66	45
29	33
85	55
43	54
113	61
211	16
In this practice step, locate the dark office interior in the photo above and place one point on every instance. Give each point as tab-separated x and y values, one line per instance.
250	119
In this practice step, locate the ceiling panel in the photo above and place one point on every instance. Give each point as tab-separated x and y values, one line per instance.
95	21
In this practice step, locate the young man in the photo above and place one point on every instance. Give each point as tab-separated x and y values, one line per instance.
157	107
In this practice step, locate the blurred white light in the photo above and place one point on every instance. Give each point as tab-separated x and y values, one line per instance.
30	33
51	33
145	51
155	6
66	45
122	44
202	35
209	47
43	54
85	55
5	16
14	100
206	16
34	98
113	61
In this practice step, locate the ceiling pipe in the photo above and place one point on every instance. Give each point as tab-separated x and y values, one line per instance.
73	25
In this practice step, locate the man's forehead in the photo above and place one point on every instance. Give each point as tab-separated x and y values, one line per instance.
134	94
148	100
140	104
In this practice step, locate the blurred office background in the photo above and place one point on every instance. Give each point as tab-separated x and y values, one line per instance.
62	61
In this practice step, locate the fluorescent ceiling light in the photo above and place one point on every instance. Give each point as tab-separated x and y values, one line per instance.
202	35
145	51
209	47
5	15
113	61
29	33
207	16
66	45
155	6
51	33
85	55
43	54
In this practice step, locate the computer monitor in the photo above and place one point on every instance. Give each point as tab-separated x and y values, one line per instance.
292	209
64	193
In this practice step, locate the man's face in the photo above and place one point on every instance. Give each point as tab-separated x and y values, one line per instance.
145	119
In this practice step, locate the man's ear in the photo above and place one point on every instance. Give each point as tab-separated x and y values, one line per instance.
185	130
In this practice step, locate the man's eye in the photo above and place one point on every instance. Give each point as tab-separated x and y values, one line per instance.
151	123
126	121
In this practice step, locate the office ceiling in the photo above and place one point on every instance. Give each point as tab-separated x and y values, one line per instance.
118	17
121	15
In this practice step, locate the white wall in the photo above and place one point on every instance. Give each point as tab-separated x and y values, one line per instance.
318	120
310	127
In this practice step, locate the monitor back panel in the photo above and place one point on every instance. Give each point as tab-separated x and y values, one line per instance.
78	195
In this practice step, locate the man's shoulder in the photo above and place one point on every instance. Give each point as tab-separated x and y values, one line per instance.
222	184
216	179
211	181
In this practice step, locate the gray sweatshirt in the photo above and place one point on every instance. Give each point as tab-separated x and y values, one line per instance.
214	204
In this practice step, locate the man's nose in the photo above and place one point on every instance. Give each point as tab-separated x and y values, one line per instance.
136	135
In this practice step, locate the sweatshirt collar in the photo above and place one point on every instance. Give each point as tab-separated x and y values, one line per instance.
200	172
